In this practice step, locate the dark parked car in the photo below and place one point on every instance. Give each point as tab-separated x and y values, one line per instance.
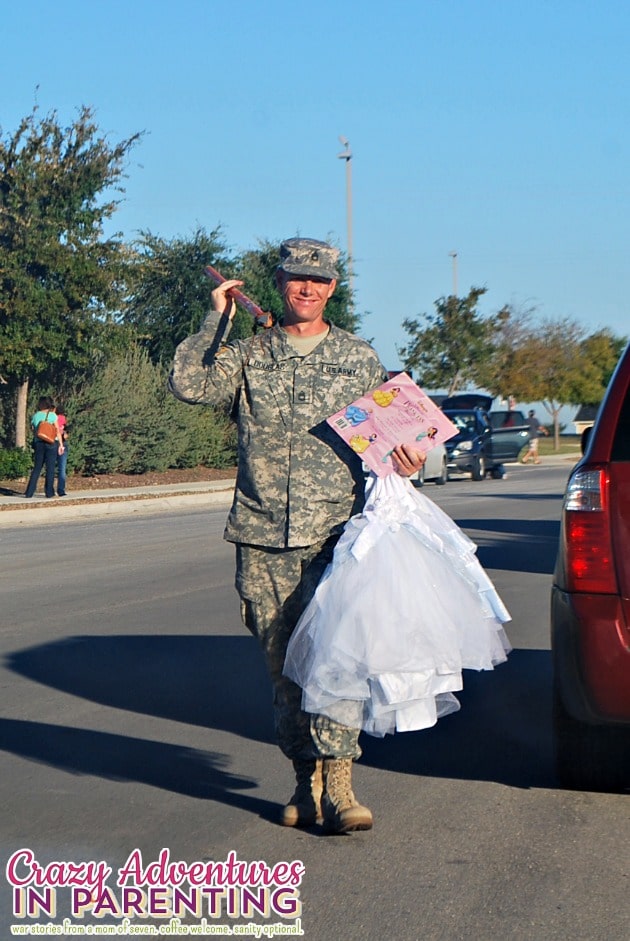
590	604
479	448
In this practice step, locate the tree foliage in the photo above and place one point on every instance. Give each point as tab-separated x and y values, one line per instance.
504	372
448	349
511	355
169	295
553	362
59	274
602	349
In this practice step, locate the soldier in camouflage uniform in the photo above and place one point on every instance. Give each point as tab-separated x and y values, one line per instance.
297	485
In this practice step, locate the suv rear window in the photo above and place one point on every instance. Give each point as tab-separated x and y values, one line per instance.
507	419
463	421
621	443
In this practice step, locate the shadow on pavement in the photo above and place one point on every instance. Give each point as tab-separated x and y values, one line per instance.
214	682
501	734
186	771
516	545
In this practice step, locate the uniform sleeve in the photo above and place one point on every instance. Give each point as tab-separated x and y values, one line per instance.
206	370
376	374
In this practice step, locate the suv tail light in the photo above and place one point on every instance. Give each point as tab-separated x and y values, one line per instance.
588	543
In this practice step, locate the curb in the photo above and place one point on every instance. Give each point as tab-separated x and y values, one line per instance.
127	503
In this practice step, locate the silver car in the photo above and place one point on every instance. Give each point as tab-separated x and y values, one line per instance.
435	467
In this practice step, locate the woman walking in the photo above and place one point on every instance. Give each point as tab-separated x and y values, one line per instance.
45	452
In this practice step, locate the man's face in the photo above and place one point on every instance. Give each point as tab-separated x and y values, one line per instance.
305	297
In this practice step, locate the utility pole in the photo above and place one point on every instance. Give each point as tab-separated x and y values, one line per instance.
454	257
347	156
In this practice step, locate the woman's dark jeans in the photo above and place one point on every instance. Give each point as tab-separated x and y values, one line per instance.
45	454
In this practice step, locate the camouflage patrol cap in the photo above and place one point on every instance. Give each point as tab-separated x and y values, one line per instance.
309	257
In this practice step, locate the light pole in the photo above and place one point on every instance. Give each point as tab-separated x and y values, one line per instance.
347	156
454	257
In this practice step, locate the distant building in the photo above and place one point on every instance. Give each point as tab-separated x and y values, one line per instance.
585	417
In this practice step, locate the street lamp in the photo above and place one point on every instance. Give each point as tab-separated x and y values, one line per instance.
347	156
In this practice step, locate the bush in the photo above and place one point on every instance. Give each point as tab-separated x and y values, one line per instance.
127	422
205	436
15	462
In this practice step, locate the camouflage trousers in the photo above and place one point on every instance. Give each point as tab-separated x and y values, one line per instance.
275	585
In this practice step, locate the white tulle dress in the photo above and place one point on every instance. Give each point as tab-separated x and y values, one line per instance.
401	610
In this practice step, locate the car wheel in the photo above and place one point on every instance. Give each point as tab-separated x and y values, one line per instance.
419	477
589	757
479	467
443	474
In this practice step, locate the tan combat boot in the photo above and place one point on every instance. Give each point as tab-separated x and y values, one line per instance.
304	808
342	812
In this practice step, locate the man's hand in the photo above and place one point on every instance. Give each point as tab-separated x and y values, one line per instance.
221	300
407	460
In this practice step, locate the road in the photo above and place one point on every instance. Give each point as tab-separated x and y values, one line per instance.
136	715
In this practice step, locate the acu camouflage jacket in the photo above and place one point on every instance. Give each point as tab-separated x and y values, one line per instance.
297	481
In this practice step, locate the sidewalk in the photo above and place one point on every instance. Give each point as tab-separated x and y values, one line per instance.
18	511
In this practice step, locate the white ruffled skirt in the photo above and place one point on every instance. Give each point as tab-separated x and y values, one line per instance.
401	610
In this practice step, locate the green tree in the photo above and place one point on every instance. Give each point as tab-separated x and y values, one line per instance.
59	274
602	349
552	362
561	373
256	268
448	349
549	366
169	295
505	372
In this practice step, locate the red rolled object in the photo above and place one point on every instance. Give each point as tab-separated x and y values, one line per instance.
259	315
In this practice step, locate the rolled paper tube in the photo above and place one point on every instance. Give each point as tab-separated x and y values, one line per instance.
259	315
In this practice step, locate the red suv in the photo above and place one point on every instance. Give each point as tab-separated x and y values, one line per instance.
590	604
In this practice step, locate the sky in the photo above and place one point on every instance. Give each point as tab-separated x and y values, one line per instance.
490	139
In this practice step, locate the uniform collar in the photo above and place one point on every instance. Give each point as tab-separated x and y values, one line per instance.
281	346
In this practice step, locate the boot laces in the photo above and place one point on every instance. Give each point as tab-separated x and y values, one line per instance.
341	785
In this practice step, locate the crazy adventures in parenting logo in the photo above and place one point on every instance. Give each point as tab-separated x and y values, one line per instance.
160	889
